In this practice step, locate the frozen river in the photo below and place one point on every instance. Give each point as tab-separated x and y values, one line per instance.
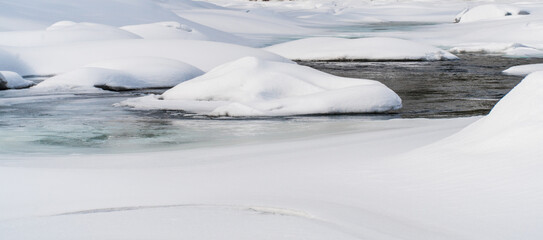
41	123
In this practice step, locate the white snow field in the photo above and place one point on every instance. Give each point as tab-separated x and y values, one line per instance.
358	49
254	87
461	178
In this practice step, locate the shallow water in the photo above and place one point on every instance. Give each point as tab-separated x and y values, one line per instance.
467	87
67	123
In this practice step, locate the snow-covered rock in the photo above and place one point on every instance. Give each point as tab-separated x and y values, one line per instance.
12	80
255	87
125	74
327	48
488	12
56	59
64	32
523	70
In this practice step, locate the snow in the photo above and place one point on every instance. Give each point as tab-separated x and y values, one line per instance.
462	178
523	70
325	48
254	87
47	60
64	32
12	80
516	122
124	74
488	12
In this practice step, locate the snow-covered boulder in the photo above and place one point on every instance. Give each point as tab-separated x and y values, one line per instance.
57	59
125	74
64	32
523	70
378	48
488	12
12	80
255	87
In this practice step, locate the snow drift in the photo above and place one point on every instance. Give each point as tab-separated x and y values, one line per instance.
64	32
327	48
524	70
125	74
515	123
256	87
488	12
56	59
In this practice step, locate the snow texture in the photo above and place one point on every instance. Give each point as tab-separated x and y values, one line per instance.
124	74
322	48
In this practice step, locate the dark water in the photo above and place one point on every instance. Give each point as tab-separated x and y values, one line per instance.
467	87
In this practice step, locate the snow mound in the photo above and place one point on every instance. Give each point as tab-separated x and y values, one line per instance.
64	32
523	70
12	80
327	48
515	123
507	49
125	74
255	87
488	12
56	59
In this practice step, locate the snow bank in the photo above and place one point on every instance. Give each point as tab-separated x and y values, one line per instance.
176	30
37	15
255	87
488	12
515	123
325	48
524	70
124	74
47	60
507	49
64	32
12	80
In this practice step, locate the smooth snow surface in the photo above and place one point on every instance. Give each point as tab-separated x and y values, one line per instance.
523	70
57	59
488	12
64	32
255	87
125	74
12	80
358	49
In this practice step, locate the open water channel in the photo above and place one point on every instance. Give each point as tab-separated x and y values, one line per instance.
76	123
